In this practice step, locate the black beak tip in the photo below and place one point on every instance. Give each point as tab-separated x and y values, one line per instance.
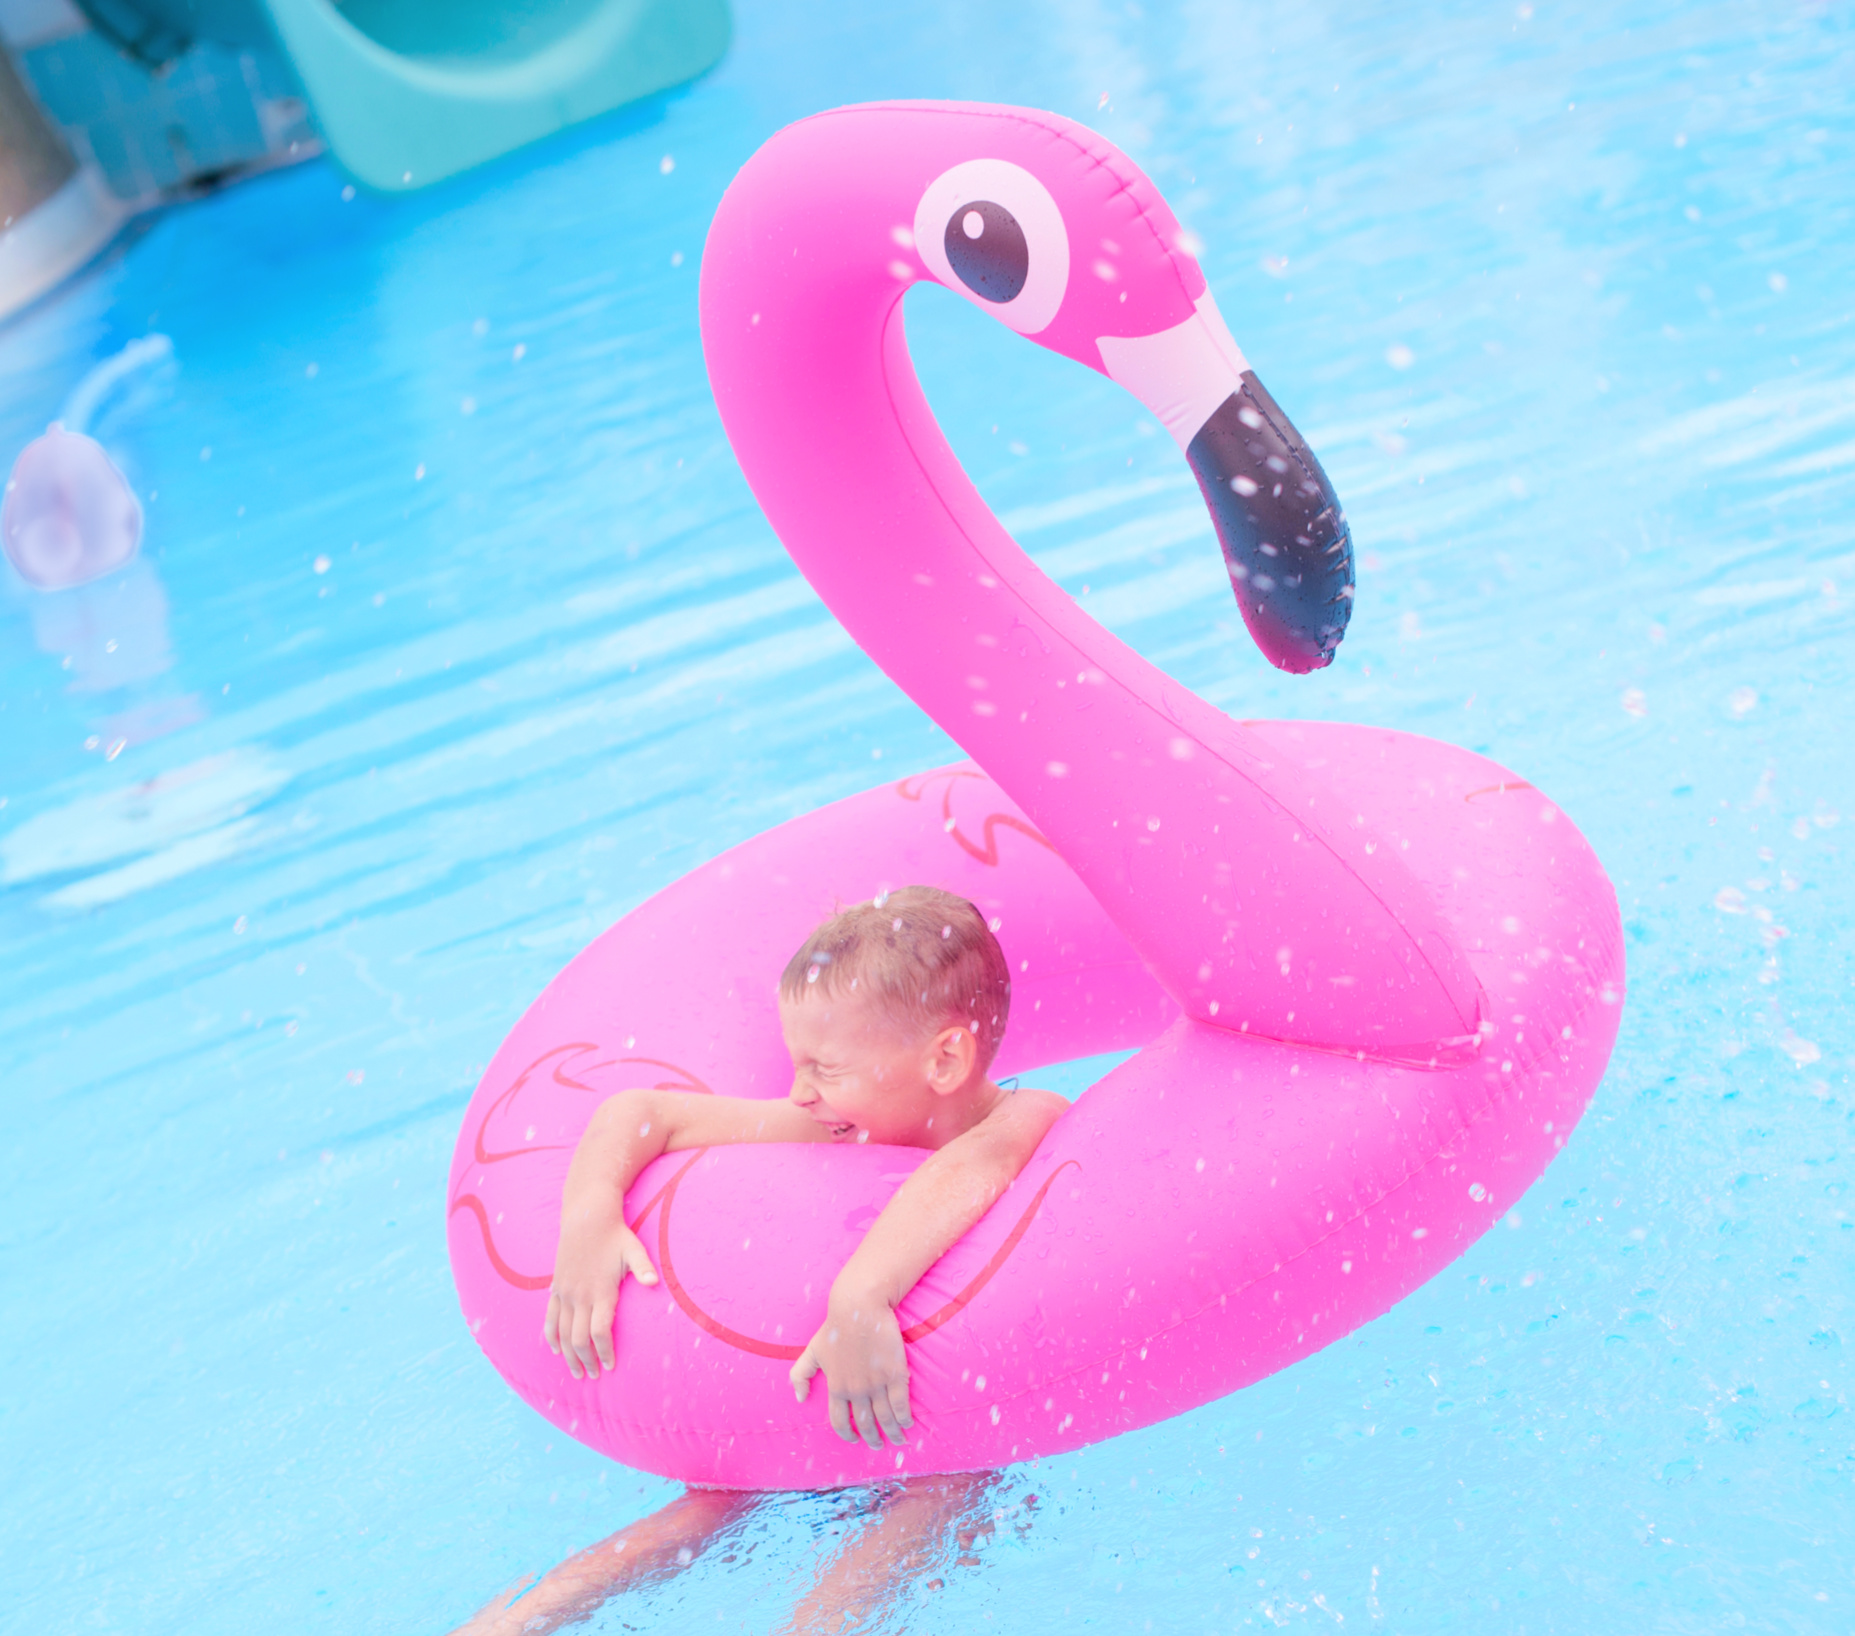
1289	647
1302	664
1284	536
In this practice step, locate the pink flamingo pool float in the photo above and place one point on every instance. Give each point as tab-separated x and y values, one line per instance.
1373	980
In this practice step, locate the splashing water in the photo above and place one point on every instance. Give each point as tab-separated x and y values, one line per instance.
450	692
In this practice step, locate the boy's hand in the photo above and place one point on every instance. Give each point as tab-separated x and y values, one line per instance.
865	1367
588	1268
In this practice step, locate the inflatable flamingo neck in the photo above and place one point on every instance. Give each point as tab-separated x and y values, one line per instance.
1225	866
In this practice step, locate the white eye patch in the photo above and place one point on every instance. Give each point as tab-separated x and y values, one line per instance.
991	232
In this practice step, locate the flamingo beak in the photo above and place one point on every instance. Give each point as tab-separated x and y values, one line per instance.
1284	536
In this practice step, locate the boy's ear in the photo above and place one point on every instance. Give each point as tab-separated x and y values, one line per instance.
954	1052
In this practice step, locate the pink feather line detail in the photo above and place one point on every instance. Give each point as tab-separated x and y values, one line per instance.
771	1349
685	1081
988	854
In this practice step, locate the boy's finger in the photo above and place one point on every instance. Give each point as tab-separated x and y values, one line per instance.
637	1258
563	1334
884	1406
550	1325
864	1410
582	1339
898	1405
801	1376
840	1417
602	1334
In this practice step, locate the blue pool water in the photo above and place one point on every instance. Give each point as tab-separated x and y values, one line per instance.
458	632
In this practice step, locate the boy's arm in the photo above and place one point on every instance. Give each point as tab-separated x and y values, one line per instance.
596	1248
859	1347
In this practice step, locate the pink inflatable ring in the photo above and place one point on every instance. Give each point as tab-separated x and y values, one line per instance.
1373	980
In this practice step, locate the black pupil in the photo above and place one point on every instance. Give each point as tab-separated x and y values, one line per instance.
986	249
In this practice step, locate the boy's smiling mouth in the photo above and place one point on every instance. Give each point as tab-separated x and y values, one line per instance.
839	1128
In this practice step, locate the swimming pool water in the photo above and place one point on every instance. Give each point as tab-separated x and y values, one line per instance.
457	633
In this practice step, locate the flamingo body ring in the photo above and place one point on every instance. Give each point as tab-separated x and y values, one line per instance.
1371	980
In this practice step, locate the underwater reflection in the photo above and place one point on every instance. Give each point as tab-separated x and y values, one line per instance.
901	1540
71	530
110	637
70	515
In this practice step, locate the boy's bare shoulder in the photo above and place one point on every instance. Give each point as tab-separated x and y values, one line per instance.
1053	1102
1027	1112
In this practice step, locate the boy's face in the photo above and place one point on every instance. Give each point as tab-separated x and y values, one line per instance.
865	1076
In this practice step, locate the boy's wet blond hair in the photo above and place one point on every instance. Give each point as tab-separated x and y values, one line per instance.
926	955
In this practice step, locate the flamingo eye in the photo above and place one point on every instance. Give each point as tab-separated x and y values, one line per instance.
990	231
986	249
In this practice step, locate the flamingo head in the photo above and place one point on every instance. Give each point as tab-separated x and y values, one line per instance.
1053	231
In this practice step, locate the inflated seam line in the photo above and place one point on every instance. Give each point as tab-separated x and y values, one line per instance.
1190	1318
894	316
1125	185
1486	1109
1197	1313
1063	131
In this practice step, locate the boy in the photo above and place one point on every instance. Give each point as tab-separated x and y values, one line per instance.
892	1012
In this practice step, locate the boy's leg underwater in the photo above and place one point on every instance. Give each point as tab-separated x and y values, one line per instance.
912	1529
648	1551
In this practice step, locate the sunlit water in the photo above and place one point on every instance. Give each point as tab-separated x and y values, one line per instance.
458	632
